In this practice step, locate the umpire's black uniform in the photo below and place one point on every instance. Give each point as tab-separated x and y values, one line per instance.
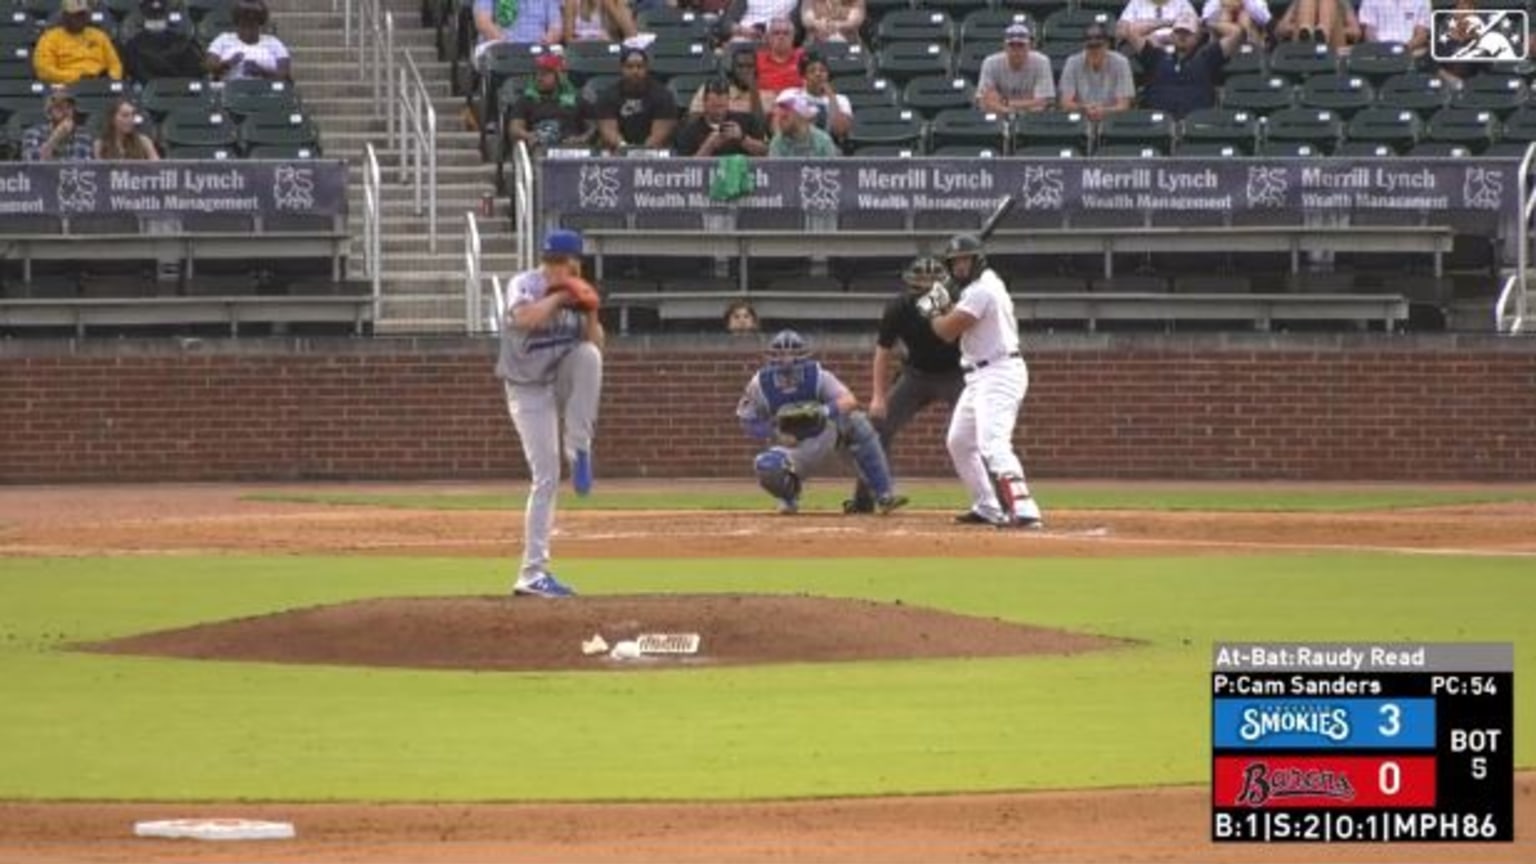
930	373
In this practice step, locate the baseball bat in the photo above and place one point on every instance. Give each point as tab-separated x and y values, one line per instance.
1004	207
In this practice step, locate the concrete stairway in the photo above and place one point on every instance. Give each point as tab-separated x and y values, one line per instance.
423	291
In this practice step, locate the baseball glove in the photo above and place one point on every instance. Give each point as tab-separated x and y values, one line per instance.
801	420
579	294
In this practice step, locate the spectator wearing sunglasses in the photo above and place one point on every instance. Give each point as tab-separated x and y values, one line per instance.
1096	80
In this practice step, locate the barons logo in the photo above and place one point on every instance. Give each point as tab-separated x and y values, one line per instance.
1321	720
1262	785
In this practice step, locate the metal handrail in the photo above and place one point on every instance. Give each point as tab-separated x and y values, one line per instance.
472	289
418	143
373	218
1517	288
500	300
523	206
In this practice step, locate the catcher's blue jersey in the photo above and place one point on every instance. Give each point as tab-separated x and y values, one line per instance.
773	387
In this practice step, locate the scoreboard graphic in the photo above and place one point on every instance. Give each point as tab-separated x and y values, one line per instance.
1328	743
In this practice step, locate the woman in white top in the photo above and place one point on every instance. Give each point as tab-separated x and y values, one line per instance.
597	20
248	52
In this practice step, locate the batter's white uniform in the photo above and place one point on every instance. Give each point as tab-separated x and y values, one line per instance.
547	372
981	430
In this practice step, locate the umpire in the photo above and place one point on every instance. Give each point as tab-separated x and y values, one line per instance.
930	372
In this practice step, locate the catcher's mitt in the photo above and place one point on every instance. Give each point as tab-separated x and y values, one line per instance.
801	420
579	294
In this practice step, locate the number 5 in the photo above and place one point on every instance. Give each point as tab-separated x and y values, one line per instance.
1391	723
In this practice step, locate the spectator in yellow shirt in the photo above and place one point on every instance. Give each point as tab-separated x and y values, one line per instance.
74	50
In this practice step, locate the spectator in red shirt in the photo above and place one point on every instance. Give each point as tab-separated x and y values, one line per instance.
778	65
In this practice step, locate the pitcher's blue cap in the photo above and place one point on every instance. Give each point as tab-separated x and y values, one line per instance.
563	241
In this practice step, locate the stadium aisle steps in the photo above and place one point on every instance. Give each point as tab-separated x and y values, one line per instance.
423	292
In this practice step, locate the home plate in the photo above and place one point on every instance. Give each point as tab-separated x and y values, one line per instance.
215	829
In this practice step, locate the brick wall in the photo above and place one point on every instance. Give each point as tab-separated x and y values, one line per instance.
1444	408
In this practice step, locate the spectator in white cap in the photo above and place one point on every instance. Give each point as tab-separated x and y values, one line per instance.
1152	17
1016	78
798	137
1097	80
1181	76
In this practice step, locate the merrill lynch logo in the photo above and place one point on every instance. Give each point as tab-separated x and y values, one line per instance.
1042	188
820	188
293	188
1483	189
598	187
1480	35
77	190
1267	188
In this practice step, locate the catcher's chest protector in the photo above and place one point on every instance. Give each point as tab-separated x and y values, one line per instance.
790	385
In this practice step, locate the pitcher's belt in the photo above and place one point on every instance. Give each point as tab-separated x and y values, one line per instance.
982	364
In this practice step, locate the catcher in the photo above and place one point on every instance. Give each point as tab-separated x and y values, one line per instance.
551	367
809	416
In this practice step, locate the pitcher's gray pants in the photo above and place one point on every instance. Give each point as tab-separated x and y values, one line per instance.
536	411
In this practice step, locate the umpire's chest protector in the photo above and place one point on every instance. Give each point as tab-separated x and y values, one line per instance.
790	385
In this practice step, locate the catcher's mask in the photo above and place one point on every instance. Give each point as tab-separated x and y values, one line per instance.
965	246
922	273
787	348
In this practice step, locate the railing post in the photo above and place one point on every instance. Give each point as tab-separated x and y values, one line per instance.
431	170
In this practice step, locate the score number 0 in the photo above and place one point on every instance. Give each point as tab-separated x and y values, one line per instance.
1389	777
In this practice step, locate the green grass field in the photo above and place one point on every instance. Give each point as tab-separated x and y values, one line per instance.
85	726
827	496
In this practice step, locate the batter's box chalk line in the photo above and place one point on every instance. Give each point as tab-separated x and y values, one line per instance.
215	829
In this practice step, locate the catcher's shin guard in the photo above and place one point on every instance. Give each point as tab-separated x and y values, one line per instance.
776	473
869	460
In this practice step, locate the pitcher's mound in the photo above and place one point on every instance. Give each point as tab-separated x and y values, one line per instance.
529	633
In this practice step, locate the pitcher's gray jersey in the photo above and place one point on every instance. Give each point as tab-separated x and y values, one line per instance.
530	356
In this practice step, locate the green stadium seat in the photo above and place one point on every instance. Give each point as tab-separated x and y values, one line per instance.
1221	127
967	151
1421	93
1210	149
164	95
1137	127
1470	127
985	26
890	127
285	151
846	59
674	24
1249	59
1298	61
916	25
585	60
957	9
194	128
1058	52
95	95
695	58
1440	150
1260	94
248	96
969	127
1052	129
887	151
1378	61
971	55
1290	150
200	9
1069	24
1369	149
1397	129
1318	128
1047	151
1520	126
932	94
1344	94
195	151
1507	149
1501	94
279	129
865	93
1129	151
903	61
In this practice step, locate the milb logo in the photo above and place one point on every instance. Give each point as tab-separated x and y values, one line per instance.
1480	35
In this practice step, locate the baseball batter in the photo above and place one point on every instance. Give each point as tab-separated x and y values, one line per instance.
551	365
811	417
930	372
981	431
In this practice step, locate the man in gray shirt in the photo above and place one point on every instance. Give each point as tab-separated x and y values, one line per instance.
1016	78
1097	80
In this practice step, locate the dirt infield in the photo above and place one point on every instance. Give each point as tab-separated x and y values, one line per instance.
1143	825
496	633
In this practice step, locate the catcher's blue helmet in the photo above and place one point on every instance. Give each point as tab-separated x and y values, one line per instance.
786	347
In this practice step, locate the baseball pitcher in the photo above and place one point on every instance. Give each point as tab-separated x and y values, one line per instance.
930	372
810	417
551	366
981	431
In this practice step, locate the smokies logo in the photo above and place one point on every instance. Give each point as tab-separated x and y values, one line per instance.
1323	721
1261	785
